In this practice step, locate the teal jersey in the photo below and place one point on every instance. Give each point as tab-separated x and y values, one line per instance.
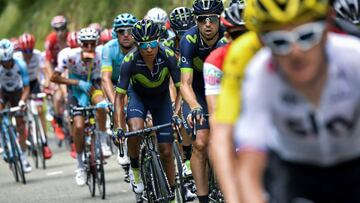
111	59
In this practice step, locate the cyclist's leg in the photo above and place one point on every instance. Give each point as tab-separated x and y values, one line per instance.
98	96
161	112
199	156
135	116
58	101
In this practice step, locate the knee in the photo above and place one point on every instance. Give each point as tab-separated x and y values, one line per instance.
166	152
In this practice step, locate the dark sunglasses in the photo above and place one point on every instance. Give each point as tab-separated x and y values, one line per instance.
122	31
208	18
59	29
87	44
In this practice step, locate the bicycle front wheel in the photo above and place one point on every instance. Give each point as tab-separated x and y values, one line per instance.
15	147
100	174
160	182
180	190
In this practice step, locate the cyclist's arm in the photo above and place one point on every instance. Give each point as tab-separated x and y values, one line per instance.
106	73
186	57
121	90
57	78
175	80
26	82
48	71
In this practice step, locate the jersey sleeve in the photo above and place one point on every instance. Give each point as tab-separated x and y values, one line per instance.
24	73
63	61
48	47
124	78
212	71
255	111
106	59
187	49
239	54
174	70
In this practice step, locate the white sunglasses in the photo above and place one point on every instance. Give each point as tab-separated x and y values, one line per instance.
305	36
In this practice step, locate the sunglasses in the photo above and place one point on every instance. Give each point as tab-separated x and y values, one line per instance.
305	36
59	29
208	18
87	44
152	44
123	31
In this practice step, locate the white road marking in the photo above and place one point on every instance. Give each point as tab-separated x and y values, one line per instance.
54	173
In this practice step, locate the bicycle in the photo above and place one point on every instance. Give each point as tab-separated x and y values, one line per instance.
157	188
94	159
12	150
215	194
36	132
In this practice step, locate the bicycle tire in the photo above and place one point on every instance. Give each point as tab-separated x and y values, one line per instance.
17	155
180	190
162	187
100	173
90	170
32	147
11	160
40	144
145	175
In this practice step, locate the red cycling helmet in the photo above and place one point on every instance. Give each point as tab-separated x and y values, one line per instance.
26	42
105	36
71	40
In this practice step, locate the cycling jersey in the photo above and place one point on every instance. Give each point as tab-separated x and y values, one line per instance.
193	52
145	82
149	90
238	55
112	58
52	48
15	78
213	70
79	69
291	126
35	64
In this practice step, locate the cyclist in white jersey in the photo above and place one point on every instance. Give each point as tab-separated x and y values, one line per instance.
35	64
83	64
300	109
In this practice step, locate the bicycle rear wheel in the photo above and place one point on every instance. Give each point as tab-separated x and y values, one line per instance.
180	190
32	148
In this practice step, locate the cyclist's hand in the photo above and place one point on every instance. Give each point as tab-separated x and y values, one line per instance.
118	136
103	104
22	105
176	120
197	114
84	86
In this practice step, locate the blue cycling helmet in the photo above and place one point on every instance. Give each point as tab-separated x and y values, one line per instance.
124	20
6	50
202	7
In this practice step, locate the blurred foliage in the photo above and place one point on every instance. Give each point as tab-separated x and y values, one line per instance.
34	16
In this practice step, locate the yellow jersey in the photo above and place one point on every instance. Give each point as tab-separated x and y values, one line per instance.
239	54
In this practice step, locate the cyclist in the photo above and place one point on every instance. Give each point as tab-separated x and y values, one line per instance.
55	42
96	26
160	17
113	54
149	68
83	64
34	63
181	20
195	46
14	83
307	123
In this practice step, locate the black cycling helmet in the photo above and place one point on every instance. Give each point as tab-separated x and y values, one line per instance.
348	10
145	30
202	7
181	18
233	16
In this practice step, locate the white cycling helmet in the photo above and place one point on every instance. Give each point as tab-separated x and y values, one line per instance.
157	15
88	34
6	50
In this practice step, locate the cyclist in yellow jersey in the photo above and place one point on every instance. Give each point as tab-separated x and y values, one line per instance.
228	108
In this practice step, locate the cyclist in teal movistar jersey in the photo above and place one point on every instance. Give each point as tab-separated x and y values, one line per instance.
195	46
114	52
144	77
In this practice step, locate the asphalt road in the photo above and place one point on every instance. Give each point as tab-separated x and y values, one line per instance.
57	182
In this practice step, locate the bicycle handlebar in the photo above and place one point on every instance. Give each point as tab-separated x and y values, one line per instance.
10	110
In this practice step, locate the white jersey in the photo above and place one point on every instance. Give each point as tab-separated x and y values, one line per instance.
15	78
275	116
70	59
35	65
